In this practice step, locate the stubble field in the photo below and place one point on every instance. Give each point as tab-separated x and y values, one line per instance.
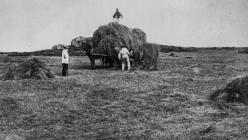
170	103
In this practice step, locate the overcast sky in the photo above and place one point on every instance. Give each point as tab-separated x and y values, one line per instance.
27	25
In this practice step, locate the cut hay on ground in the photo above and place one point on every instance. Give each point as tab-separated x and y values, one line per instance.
235	91
112	36
32	68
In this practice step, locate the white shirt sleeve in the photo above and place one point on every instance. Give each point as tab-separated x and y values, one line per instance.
127	51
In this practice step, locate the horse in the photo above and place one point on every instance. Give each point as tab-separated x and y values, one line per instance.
86	45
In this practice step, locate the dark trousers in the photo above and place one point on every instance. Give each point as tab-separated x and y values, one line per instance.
65	69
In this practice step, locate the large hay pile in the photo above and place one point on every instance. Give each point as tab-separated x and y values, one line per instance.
110	37
235	91
147	56
32	68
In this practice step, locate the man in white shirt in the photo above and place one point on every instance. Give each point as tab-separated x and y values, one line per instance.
124	57
65	60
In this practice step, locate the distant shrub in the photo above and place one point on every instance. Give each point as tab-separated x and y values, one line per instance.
167	48
48	52
57	47
242	50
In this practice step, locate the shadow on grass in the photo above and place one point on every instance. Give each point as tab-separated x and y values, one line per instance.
101	67
88	67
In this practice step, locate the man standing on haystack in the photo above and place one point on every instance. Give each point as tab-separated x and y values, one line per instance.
124	57
117	16
65	60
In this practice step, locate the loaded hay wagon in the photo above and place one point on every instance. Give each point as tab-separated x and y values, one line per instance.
107	41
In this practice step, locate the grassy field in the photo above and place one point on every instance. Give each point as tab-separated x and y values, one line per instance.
170	103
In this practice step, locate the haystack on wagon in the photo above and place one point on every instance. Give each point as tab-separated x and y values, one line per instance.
108	39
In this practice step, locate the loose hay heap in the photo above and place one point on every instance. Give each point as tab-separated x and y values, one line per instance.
235	91
147	56
32	68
